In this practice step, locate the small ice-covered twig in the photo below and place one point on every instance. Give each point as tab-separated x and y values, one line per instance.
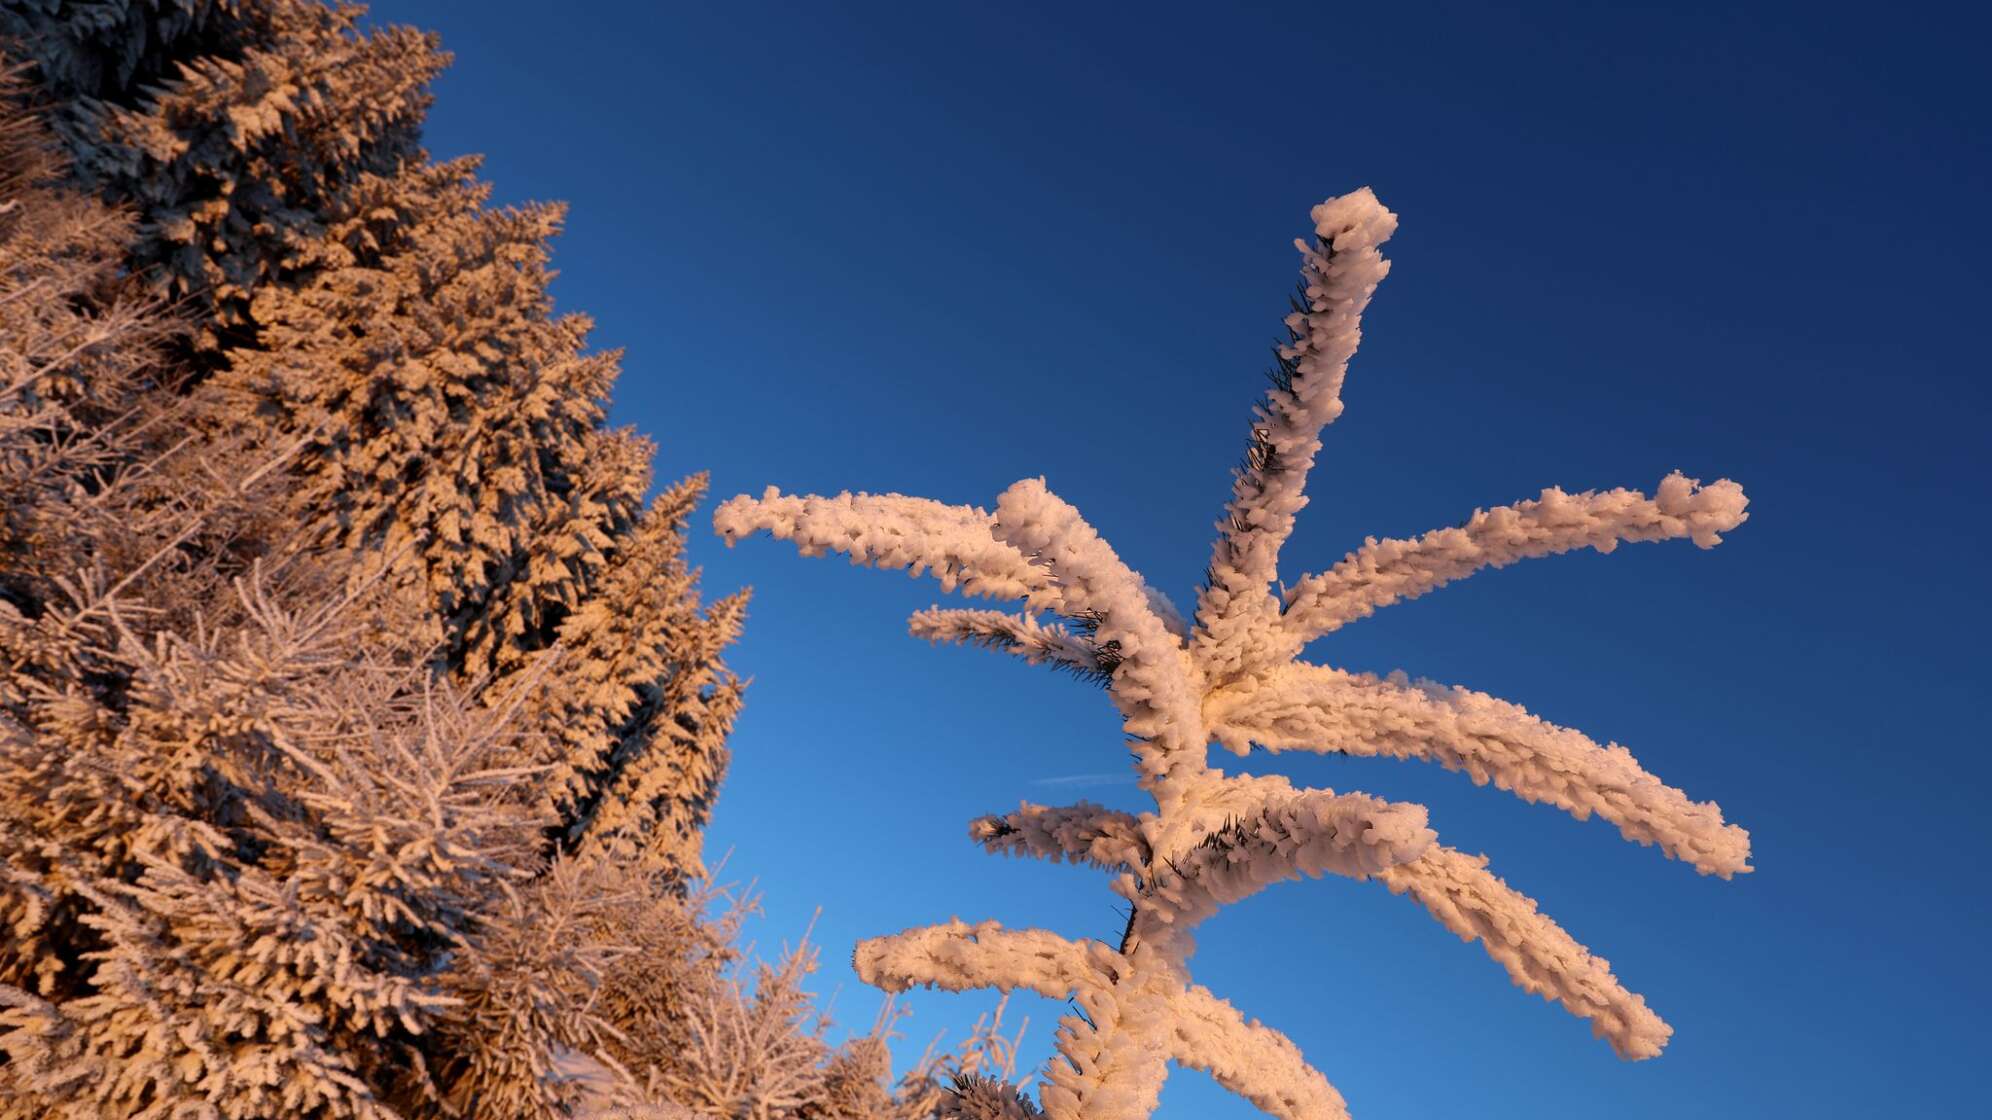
1022	635
1383	572
1539	956
1314	708
1082	833
892	531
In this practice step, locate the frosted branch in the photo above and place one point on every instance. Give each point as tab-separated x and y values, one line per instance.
1388	571
958	956
1254	1061
1021	635
1236	612
1307	832
1539	956
1152	683
1309	707
1082	833
893	531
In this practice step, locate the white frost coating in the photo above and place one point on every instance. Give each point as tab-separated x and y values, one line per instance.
958	956
1082	833
1312	833
1341	272
1154	686
1539	956
1208	805
1019	634
1384	572
1235	678
892	531
1310	707
1254	1061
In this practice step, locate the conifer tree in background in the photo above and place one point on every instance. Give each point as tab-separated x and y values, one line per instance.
359	719
455	426
236	129
1232	674
369	304
255	858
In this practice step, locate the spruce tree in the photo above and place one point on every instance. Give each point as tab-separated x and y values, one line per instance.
447	409
371	309
454	426
214	898
278	827
359	717
233	128
644	708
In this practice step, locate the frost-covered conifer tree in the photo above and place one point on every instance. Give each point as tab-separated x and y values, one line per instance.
257	858
79	346
369	309
1231	673
233	128
336	781
454	426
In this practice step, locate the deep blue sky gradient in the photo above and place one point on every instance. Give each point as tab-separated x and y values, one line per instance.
938	248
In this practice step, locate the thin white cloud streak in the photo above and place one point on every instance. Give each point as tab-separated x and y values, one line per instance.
1081	780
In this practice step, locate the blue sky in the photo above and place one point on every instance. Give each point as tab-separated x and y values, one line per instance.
939	248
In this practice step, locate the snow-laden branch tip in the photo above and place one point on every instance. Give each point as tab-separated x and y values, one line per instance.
1339	274
1082	833
1539	956
894	532
1256	1062
1315	708
1383	572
